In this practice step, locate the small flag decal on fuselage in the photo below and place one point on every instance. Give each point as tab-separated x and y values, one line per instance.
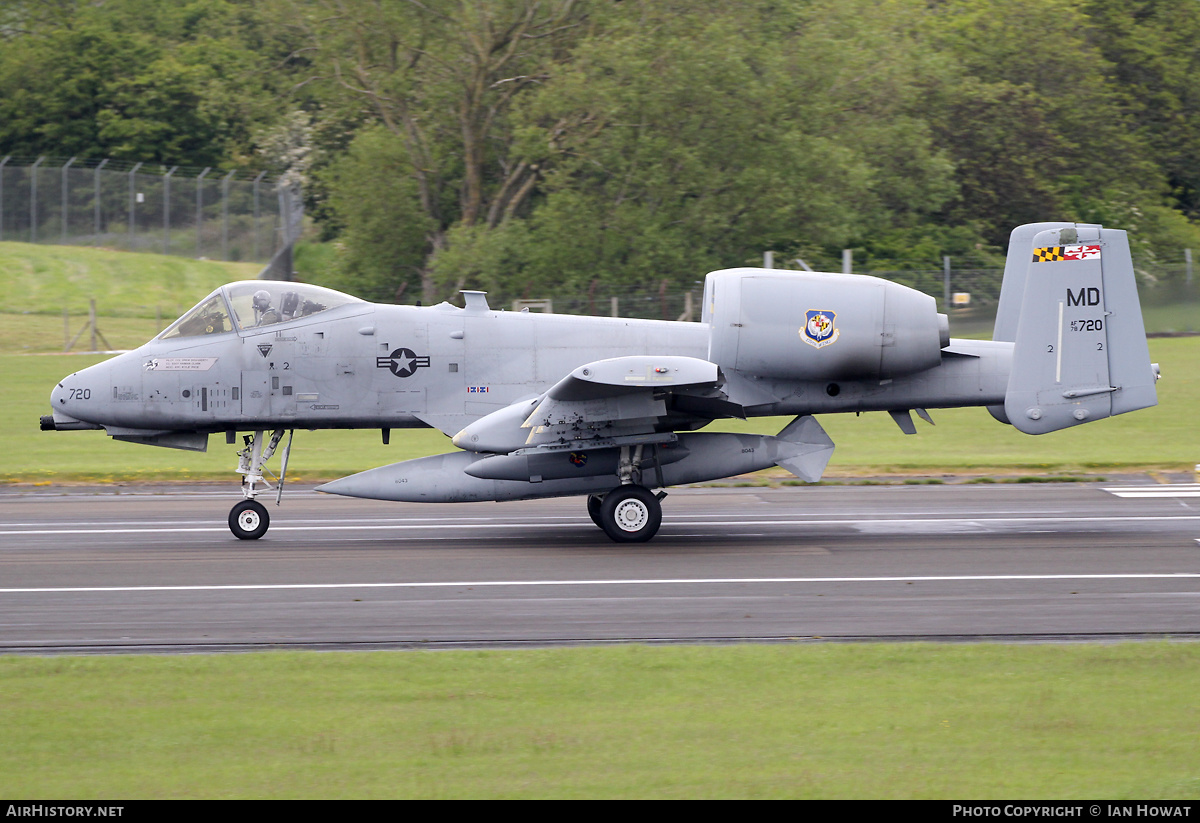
1079	251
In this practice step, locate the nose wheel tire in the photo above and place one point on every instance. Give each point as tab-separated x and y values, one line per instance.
249	520
630	514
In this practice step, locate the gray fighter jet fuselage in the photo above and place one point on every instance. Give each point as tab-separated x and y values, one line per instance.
548	405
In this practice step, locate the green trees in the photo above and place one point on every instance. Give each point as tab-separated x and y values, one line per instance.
636	142
440	81
1031	122
179	83
539	147
706	143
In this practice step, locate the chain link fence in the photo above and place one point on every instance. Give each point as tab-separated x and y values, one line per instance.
188	212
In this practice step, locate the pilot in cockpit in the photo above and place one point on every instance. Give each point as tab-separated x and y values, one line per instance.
264	313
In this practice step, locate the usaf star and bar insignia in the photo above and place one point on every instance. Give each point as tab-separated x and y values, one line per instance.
402	362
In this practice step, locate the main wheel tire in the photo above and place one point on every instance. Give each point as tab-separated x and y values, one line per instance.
594	502
630	514
249	520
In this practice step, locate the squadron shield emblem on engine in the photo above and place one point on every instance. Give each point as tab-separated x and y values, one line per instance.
820	329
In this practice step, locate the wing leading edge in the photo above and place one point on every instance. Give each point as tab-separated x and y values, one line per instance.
606	402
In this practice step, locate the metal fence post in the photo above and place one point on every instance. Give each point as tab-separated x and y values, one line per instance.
946	282
33	199
167	210
2	162
285	211
225	214
199	207
132	214
96	200
257	180
66	166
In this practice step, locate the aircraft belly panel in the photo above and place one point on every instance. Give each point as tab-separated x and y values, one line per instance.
403	401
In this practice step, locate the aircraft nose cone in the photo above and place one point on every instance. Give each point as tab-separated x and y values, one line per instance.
81	394
69	395
58	396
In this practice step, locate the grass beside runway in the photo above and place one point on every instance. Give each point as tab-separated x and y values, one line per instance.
963	441
806	721
44	280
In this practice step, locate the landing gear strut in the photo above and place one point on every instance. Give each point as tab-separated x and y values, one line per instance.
248	520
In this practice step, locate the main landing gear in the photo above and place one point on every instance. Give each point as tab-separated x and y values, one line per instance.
628	514
248	520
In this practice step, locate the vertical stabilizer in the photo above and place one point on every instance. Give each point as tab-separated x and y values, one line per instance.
1080	349
1016	270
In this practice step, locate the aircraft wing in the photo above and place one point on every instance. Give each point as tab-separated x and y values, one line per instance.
606	401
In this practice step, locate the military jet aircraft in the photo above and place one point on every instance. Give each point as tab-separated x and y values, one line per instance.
544	405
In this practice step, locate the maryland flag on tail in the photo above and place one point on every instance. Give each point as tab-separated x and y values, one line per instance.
1079	251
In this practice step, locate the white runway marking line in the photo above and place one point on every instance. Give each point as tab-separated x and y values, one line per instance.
1165	490
631	582
940	521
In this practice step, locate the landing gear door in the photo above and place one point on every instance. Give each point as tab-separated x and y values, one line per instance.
256	381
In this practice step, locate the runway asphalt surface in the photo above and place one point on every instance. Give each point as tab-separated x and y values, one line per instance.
119	570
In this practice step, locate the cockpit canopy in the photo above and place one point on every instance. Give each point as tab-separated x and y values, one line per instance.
253	304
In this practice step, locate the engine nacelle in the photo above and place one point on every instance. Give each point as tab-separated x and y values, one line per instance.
815	326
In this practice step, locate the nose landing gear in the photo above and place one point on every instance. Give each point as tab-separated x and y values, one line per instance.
248	520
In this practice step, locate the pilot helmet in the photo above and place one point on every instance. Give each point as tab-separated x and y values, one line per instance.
262	300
